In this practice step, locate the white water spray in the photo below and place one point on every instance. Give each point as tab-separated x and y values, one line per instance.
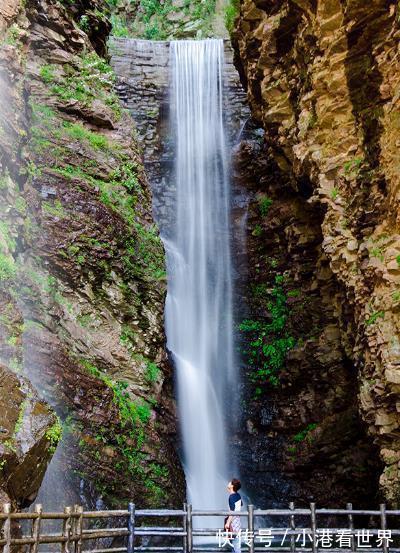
199	301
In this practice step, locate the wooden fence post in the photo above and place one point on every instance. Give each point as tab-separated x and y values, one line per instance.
36	529
184	525
7	527
349	507
313	528
66	531
383	526
251	527
79	529
189	526
131	528
292	527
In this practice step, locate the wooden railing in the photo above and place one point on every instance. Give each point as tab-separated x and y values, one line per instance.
76	536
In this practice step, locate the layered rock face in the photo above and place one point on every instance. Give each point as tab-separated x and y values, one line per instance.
82	262
323	80
143	69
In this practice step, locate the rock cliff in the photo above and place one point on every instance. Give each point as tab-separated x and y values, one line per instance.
82	261
322	80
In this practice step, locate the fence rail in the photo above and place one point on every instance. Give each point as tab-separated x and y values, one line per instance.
74	537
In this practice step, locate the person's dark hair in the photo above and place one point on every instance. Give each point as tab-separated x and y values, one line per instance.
236	485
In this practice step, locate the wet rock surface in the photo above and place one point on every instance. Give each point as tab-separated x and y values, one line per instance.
322	80
274	231
82	262
29	433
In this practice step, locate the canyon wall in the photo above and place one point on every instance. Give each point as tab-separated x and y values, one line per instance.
293	437
82	265
322	79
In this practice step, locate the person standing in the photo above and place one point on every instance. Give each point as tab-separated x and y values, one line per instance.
232	523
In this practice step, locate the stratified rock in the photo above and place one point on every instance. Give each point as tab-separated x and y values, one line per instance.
82	262
323	79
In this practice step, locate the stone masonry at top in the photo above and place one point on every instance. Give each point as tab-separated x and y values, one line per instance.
143	72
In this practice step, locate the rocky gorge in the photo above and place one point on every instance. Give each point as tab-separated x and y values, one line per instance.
85	157
322	80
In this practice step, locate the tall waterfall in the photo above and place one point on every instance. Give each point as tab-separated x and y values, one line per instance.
199	300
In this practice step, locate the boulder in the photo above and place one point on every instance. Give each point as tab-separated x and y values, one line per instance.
29	433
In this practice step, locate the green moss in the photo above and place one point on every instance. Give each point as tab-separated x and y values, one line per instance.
4	180
5	233
334	193
21	414
377	252
12	341
353	166
79	132
55	209
396	295
9	444
47	73
20	205
293	293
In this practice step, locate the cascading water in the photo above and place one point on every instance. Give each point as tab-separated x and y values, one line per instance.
199	300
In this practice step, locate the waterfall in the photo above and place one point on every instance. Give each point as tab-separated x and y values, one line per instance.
199	299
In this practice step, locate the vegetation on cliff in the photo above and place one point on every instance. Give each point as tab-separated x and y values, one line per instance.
154	20
322	81
82	259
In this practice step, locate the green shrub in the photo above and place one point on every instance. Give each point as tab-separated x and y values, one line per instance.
89	78
269	342
152	372
374	317
264	204
54	435
301	436
231	12
257	230
7	268
130	438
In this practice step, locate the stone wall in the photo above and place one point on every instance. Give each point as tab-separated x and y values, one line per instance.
143	70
